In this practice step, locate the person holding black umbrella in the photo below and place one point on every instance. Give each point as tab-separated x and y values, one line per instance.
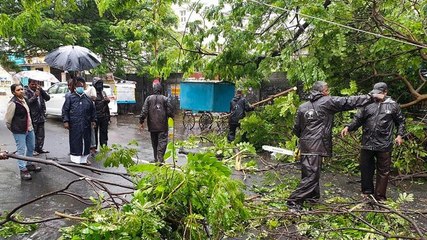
78	116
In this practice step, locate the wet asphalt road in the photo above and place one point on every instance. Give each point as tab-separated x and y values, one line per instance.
14	192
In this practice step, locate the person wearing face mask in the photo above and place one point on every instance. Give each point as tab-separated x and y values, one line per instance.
102	113
78	116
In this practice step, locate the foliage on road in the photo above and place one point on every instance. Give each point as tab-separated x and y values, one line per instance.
10	229
199	200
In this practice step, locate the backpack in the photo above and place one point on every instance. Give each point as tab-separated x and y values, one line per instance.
157	109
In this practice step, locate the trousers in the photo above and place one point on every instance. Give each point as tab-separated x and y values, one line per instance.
369	161
309	188
24	147
101	131
159	141
39	136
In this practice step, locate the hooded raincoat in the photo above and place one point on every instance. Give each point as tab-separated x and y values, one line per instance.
156	109
313	124
379	120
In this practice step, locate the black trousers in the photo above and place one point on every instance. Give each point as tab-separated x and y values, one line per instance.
159	141
232	127
39	135
369	161
101	131
309	188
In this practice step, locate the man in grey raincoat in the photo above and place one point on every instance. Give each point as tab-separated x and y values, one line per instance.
378	121
313	127
238	108
156	110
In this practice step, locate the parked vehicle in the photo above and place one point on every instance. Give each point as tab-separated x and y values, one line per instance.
57	98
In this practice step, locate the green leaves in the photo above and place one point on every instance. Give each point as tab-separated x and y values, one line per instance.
117	155
11	229
169	203
271	124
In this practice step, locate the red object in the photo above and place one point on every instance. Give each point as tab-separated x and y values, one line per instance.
156	81
197	75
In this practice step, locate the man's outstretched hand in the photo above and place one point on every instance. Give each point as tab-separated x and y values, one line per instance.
344	132
398	140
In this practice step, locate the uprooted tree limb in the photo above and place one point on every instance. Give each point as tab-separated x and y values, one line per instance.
114	199
358	211
355	211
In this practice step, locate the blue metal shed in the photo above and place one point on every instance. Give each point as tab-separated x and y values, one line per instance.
204	95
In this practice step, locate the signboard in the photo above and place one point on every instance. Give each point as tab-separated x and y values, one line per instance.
174	90
125	93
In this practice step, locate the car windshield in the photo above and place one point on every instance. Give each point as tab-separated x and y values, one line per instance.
107	90
62	88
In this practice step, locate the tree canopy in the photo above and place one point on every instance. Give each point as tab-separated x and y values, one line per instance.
336	41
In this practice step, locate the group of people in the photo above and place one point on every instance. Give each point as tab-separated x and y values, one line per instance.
86	112
83	114
378	115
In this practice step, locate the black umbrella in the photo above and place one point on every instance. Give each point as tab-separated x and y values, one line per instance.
72	58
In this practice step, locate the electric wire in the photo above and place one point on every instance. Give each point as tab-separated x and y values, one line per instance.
339	24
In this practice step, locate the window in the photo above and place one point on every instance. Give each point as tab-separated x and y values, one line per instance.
52	89
63	88
183	14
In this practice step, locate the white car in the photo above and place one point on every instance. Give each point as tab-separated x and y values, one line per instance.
57	98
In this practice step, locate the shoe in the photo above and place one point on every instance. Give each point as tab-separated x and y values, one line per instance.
35	153
43	151
87	163
313	200
366	197
380	199
34	168
294	207
25	175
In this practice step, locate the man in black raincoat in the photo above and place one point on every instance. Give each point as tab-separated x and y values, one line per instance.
36	98
102	113
313	127
156	110
238	108
78	115
378	120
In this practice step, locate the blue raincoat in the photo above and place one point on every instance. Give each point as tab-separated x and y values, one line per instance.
79	111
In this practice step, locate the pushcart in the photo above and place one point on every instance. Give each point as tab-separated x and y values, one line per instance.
206	101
